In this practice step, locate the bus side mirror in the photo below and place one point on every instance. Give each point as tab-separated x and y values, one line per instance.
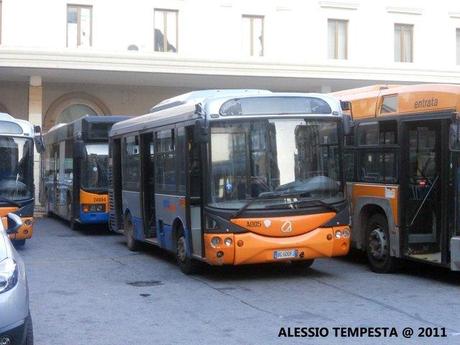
14	223
348	124
201	133
38	139
79	149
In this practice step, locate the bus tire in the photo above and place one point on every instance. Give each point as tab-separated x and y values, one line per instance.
186	264
131	242
73	224
302	263
378	245
19	243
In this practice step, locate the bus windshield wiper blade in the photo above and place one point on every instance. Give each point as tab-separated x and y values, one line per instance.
2	198
266	195
318	202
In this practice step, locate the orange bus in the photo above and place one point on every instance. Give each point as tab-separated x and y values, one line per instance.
232	177
402	166
17	193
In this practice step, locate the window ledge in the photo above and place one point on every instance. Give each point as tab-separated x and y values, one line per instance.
339	5
404	10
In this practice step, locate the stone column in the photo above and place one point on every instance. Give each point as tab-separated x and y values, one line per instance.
35	117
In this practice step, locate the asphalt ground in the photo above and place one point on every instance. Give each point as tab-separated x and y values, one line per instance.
86	287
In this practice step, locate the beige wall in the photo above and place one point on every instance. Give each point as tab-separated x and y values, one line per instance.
15	97
122	100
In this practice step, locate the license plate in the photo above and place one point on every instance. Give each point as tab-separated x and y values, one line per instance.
285	254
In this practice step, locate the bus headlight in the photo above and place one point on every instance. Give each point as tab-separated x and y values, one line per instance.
215	242
8	275
346	233
338	234
228	241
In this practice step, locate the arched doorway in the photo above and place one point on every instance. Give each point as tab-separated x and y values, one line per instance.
74	112
72	106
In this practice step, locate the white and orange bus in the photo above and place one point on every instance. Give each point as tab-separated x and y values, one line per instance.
403	172
232	177
17	172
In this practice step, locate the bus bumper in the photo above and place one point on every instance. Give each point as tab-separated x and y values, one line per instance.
251	248
94	217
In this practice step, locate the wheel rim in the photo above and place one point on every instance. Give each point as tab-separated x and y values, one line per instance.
378	244
181	249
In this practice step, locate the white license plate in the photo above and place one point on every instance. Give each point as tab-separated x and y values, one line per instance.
285	254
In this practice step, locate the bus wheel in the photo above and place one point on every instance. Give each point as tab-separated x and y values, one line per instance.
19	243
131	242
302	263
186	264
378	245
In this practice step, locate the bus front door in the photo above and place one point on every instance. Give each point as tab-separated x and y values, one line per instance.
148	185
194	202
422	186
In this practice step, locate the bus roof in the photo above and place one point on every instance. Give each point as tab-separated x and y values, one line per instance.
62	131
201	96
391	100
200	104
15	127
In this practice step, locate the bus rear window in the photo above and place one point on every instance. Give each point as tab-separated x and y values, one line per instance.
275	105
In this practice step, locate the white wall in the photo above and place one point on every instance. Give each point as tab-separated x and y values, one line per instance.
295	30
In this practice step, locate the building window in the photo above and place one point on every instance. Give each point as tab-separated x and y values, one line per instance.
79	26
404	36
458	46
166	28
253	35
338	39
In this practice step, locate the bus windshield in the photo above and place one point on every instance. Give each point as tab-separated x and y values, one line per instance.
253	158
16	169
94	167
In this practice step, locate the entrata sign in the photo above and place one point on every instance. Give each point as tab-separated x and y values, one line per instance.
426	103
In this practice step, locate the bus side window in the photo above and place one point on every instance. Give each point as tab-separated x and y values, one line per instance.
195	164
131	163
180	159
165	167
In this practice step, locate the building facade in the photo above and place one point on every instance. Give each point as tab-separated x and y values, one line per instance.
60	59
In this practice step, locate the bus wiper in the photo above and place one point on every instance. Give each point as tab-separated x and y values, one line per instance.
12	202
317	202
267	195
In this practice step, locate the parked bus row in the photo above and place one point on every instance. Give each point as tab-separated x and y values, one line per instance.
250	176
